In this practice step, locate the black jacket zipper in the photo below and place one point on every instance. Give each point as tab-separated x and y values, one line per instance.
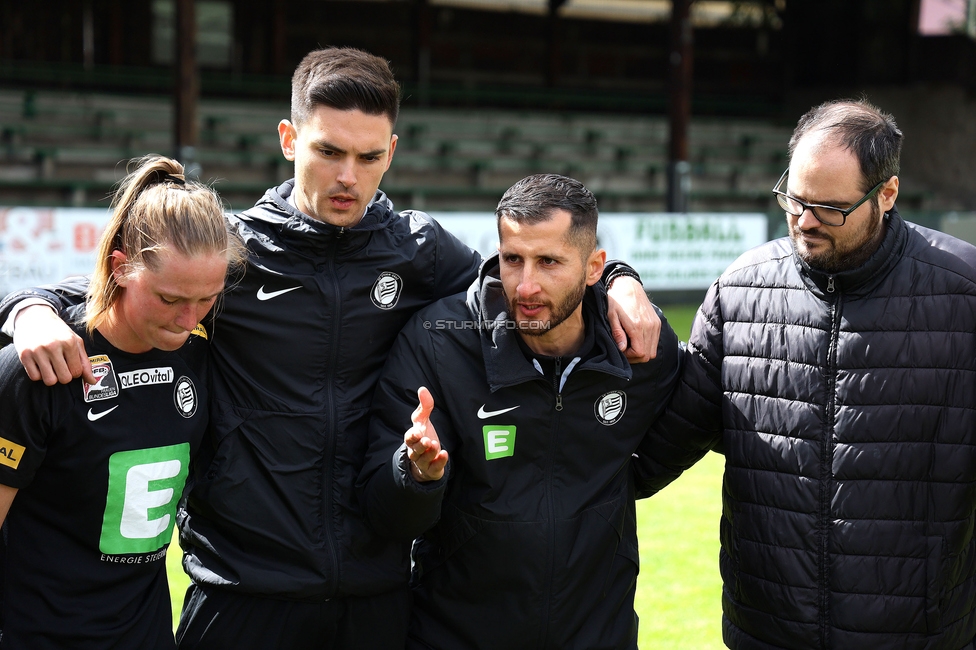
826	466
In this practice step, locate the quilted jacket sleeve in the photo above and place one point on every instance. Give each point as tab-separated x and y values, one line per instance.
692	423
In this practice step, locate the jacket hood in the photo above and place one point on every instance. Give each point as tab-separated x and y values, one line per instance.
505	363
863	278
296	227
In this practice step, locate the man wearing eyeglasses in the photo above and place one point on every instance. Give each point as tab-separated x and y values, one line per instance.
836	370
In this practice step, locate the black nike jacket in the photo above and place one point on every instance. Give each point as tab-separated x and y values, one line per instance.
530	540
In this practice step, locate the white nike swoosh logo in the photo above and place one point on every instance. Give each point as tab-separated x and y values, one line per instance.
95	416
268	295
482	413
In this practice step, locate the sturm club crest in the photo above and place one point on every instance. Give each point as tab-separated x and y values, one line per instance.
610	407
386	290
185	397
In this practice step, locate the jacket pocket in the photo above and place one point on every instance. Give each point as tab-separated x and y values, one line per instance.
224	419
474	573
260	487
615	514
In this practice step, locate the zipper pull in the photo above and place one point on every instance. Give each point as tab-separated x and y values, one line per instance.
556	376
830	284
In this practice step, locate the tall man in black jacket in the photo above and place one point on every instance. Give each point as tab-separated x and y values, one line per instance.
838	369
523	392
275	542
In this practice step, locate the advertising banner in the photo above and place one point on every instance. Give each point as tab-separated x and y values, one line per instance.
40	245
670	251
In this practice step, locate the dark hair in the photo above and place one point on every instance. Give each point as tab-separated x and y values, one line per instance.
534	198
156	208
862	128
344	78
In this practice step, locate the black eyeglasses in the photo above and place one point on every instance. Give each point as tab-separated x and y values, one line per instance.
828	215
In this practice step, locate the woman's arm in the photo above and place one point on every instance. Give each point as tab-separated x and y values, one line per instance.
7	495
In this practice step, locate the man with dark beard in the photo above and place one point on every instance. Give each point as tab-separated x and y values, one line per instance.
837	369
527	537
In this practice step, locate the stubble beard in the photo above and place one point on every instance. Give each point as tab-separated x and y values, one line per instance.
557	313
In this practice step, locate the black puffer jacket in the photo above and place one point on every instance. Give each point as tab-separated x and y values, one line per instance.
536	543
846	405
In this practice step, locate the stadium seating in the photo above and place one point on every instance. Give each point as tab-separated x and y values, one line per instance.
60	149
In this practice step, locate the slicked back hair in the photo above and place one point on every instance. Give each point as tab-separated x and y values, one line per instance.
346	79
533	199
861	128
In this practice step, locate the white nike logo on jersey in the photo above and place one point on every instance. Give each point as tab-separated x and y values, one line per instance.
268	295
95	416
482	413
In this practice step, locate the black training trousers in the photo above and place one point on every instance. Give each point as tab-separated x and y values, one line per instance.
221	619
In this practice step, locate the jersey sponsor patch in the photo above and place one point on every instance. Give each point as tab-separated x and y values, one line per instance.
106	384
386	290
10	453
146	377
144	486
499	441
610	407
200	331
185	397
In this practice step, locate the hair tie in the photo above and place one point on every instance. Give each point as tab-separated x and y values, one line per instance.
175	178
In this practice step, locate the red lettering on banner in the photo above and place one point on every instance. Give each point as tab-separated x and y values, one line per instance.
86	237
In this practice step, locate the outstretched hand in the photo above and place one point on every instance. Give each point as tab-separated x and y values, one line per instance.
48	348
427	459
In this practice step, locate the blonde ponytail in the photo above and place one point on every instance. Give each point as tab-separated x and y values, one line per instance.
155	207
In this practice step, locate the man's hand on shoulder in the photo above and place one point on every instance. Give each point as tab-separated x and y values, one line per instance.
49	350
634	322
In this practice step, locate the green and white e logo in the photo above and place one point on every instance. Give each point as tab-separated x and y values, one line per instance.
144	486
499	441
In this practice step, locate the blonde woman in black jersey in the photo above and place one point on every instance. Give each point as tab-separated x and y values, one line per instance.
91	473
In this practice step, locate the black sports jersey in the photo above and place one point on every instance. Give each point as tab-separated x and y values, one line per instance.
100	470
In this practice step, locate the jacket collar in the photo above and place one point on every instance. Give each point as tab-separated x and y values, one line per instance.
864	278
294	225
505	364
